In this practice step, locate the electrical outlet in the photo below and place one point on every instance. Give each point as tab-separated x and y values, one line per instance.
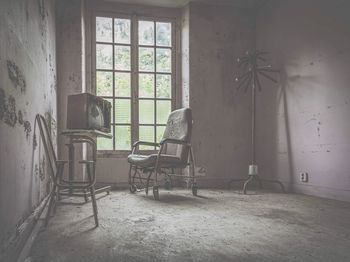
304	177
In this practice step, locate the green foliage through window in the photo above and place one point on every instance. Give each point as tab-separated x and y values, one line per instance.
139	112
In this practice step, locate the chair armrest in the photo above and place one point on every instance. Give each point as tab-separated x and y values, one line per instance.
174	141
136	144
144	143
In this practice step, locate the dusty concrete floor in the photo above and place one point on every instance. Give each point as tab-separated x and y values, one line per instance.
219	225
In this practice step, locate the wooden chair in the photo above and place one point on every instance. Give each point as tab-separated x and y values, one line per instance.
56	168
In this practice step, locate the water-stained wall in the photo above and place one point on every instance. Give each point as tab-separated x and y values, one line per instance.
303	122
27	87
69	66
217	36
212	37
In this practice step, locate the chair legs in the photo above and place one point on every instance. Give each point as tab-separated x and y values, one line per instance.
130	168
94	205
147	182
53	194
155	184
132	186
194	185
156	192
159	170
132	176
52	198
93	197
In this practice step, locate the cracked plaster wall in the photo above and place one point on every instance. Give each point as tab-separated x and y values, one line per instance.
303	122
218	35
69	67
27	87
212	36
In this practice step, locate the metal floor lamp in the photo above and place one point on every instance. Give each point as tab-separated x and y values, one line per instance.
250	78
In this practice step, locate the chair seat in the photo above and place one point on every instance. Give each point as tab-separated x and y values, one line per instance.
150	160
79	185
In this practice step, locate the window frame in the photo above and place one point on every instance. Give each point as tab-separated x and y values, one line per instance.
134	72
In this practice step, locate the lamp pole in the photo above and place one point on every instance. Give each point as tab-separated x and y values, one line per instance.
249	63
253	120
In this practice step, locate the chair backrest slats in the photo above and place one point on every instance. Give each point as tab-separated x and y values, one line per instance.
47	142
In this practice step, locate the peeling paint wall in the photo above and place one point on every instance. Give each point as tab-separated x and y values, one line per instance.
27	87
303	123
217	36
212	36
69	66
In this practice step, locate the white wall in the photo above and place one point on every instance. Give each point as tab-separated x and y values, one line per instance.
303	123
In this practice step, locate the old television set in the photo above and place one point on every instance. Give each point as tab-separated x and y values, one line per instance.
88	112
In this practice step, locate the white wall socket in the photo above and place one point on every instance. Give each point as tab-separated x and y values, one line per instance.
304	177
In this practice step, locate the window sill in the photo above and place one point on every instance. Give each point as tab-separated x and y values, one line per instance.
121	154
112	154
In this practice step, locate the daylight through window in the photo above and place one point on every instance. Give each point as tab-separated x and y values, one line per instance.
134	71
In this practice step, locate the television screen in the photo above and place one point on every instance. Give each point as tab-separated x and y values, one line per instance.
87	111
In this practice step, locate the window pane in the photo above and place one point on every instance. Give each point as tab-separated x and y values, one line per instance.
163	111
103	29
104	83
146	33
122	31
122	57
163	86
163	58
160	131
105	143
122	111
122	84
146	112
163	34
146	133
146	59
146	85
104	56
122	137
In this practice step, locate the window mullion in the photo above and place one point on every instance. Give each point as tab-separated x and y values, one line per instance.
134	80
113	84
173	66
155	81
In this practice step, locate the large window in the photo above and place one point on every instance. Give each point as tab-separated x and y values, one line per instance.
134	66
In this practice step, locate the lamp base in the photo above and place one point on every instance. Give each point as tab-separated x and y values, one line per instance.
253	170
253	175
